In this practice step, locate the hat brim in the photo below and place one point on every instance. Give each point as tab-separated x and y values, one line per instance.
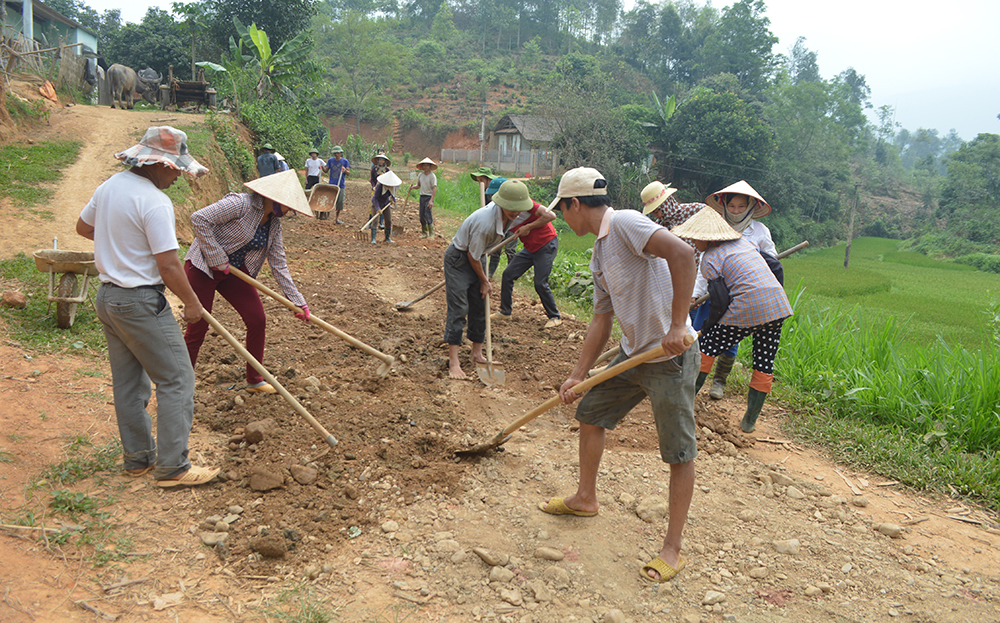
389	178
139	156
480	173
283	188
386	158
706	224
659	200
763	208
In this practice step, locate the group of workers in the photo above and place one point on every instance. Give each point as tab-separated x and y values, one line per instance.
645	275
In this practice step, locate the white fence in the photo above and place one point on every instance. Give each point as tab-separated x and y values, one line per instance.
536	163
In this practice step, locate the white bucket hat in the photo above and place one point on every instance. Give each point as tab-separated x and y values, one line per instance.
163	145
283	188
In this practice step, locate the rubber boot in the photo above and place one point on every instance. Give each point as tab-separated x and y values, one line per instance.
430	230
374	233
423	230
723	366
755	400
700	381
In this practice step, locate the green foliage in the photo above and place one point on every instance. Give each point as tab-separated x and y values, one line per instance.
284	19
29	169
986	262
741	45
75	504
157	41
238	154
281	124
20	109
300	605
285	70
715	138
35	326
80	464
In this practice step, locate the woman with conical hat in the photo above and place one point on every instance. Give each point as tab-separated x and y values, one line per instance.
740	205
384	196
380	165
242	230
758	306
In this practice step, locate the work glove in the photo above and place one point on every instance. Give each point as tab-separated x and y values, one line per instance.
304	314
222	269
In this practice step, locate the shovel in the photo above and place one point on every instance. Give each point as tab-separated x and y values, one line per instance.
408	304
697	303
387	360
490	373
502	437
327	437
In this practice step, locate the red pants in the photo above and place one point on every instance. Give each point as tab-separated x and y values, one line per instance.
243	297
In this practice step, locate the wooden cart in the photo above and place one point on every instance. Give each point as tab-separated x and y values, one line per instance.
178	92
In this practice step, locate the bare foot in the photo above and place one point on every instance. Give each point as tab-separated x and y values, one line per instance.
480	359
455	372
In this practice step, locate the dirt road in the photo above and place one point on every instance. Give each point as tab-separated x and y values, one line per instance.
384	526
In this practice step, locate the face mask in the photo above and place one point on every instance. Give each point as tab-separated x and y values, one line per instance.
276	208
739	222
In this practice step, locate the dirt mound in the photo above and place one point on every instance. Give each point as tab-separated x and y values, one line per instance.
389	521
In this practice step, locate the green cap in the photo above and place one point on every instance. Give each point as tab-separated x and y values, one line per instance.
513	196
337	149
482	172
267	146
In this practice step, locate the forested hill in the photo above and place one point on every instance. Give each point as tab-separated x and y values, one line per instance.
702	89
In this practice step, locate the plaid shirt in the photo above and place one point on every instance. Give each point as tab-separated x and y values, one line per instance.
757	297
227	226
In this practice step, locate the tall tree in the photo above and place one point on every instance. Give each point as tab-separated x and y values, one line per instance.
970	197
742	46
802	66
283	19
157	41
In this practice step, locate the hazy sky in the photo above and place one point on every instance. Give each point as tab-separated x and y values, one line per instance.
936	63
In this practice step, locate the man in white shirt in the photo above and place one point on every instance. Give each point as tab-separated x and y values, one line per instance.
131	222
314	166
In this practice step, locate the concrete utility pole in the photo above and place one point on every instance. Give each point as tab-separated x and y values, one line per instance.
850	227
482	134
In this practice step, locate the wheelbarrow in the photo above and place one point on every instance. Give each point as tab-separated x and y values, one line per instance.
70	264
323	197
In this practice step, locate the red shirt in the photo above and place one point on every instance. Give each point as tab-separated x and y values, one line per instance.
538	237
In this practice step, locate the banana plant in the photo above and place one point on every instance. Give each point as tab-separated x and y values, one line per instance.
221	69
276	70
663	110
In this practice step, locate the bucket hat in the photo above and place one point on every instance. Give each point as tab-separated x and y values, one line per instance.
433	164
389	179
654	194
760	207
513	196
482	172
283	188
706	224
166	145
578	182
495	184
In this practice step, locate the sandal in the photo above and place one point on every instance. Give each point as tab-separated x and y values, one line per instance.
191	478
139	471
662	567
263	388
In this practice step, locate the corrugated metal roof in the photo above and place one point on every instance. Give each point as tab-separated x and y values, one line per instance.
531	127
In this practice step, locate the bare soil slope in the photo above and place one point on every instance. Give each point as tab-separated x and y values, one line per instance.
383	526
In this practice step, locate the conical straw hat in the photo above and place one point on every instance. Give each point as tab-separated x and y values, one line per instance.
389	179
762	208
653	196
706	224
433	164
283	188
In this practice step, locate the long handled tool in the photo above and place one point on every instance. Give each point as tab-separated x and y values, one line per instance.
579	388
699	301
387	360
490	373
407	304
325	434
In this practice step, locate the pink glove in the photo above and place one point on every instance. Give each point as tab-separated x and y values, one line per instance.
304	314
222	269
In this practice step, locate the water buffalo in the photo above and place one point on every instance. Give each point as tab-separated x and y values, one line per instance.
124	81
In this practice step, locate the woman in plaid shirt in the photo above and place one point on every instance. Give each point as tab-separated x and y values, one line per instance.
242	230
758	304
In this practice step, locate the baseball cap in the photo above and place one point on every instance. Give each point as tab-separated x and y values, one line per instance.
578	182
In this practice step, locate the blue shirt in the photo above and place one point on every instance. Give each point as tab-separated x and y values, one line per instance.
336	166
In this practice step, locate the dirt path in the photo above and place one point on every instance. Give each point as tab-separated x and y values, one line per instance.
383	526
103	132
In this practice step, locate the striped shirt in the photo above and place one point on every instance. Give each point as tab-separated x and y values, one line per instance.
756	234
633	284
227	226
757	297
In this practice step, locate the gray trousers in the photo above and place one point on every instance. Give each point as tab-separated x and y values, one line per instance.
542	261
464	299
145	344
